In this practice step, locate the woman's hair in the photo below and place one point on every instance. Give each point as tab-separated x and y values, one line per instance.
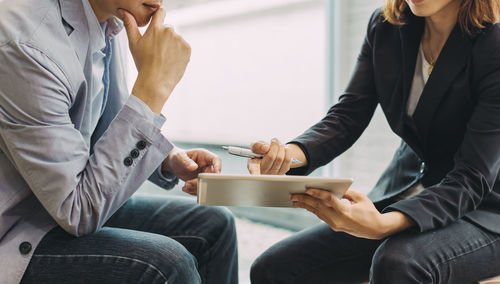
472	16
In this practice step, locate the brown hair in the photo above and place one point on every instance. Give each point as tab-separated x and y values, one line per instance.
472	16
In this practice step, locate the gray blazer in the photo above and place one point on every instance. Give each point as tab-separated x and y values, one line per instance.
53	169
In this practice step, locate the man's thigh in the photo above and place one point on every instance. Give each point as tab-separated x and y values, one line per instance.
458	253
317	255
196	227
111	255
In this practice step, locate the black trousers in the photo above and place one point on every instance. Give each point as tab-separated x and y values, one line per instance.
458	253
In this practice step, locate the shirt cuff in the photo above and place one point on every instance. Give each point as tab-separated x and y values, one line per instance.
165	180
138	105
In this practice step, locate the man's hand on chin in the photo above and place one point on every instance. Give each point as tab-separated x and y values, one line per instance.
187	164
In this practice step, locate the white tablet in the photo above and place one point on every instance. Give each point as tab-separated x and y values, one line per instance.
261	190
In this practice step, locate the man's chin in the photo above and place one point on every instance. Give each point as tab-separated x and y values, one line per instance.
143	21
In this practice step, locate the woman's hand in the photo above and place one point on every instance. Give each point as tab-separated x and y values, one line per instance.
187	164
277	158
356	216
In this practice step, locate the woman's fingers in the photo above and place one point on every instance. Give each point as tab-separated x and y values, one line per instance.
287	161
310	201
278	161
260	147
329	199
354	196
270	157
277	158
253	166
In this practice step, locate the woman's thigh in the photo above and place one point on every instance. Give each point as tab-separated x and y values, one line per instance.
317	255
111	255
458	253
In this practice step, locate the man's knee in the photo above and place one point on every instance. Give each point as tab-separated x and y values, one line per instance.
169	259
222	222
397	260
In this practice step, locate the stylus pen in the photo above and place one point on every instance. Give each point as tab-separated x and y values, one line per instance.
242	152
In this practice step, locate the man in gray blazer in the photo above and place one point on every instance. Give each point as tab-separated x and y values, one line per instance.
75	146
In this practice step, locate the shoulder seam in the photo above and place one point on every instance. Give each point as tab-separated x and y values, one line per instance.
30	46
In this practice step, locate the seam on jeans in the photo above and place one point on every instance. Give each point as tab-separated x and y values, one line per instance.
192	237
465	253
207	255
205	242
330	262
105	256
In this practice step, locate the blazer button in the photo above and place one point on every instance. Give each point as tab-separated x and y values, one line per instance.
25	247
422	167
141	145
128	162
134	153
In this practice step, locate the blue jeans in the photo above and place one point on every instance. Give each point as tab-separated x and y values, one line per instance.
458	253
148	240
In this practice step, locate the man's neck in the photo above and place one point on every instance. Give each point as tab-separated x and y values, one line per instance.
99	10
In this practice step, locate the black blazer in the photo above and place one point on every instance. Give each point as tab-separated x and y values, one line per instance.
452	142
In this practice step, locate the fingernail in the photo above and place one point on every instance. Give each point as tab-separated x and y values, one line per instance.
274	140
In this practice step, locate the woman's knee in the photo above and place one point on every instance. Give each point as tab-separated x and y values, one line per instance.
398	260
261	270
270	266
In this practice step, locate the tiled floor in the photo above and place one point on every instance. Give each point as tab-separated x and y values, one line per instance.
254	239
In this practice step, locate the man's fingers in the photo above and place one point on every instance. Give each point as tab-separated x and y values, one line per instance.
158	18
217	164
189	164
190	187
131	27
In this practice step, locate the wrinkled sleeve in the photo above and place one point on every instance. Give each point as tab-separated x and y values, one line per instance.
79	190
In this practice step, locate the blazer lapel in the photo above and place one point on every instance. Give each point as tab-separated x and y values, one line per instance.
410	35
450	62
73	13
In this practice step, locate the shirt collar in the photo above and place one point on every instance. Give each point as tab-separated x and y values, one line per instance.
97	35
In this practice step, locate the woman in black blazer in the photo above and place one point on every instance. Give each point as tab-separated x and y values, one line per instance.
434	215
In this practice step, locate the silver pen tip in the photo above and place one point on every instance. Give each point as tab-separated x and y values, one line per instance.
225	147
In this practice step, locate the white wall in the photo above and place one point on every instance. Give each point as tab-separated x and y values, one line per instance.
257	71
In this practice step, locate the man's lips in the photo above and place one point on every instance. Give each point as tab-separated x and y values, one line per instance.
152	7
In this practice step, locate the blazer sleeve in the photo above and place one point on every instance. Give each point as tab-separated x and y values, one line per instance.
477	162
79	190
349	117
